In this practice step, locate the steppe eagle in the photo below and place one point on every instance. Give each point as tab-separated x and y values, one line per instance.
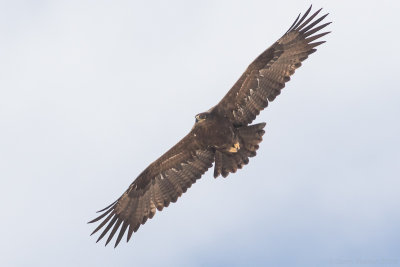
222	135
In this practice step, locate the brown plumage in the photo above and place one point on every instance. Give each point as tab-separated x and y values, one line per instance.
222	134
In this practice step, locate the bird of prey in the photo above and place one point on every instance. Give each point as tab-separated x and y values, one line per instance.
222	135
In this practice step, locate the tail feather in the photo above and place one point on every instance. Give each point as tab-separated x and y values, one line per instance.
249	138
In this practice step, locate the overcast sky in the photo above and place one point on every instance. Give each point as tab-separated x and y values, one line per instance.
91	92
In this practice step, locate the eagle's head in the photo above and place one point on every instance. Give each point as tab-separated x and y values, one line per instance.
202	117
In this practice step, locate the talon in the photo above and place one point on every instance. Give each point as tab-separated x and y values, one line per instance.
237	145
232	150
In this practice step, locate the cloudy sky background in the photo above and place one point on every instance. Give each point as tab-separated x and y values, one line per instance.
91	92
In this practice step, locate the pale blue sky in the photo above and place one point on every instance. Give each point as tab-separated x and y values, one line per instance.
91	92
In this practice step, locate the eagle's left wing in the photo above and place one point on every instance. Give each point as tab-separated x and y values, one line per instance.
268	73
161	183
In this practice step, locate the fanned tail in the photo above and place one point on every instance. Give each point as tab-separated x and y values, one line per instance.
249	138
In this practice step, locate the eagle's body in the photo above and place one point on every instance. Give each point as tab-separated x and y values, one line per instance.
223	134
214	130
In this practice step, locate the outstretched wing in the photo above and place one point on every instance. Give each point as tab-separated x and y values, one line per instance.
268	73
161	183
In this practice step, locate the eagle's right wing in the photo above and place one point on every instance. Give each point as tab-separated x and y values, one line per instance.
267	75
160	183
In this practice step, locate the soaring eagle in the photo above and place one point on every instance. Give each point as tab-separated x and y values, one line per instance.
222	135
